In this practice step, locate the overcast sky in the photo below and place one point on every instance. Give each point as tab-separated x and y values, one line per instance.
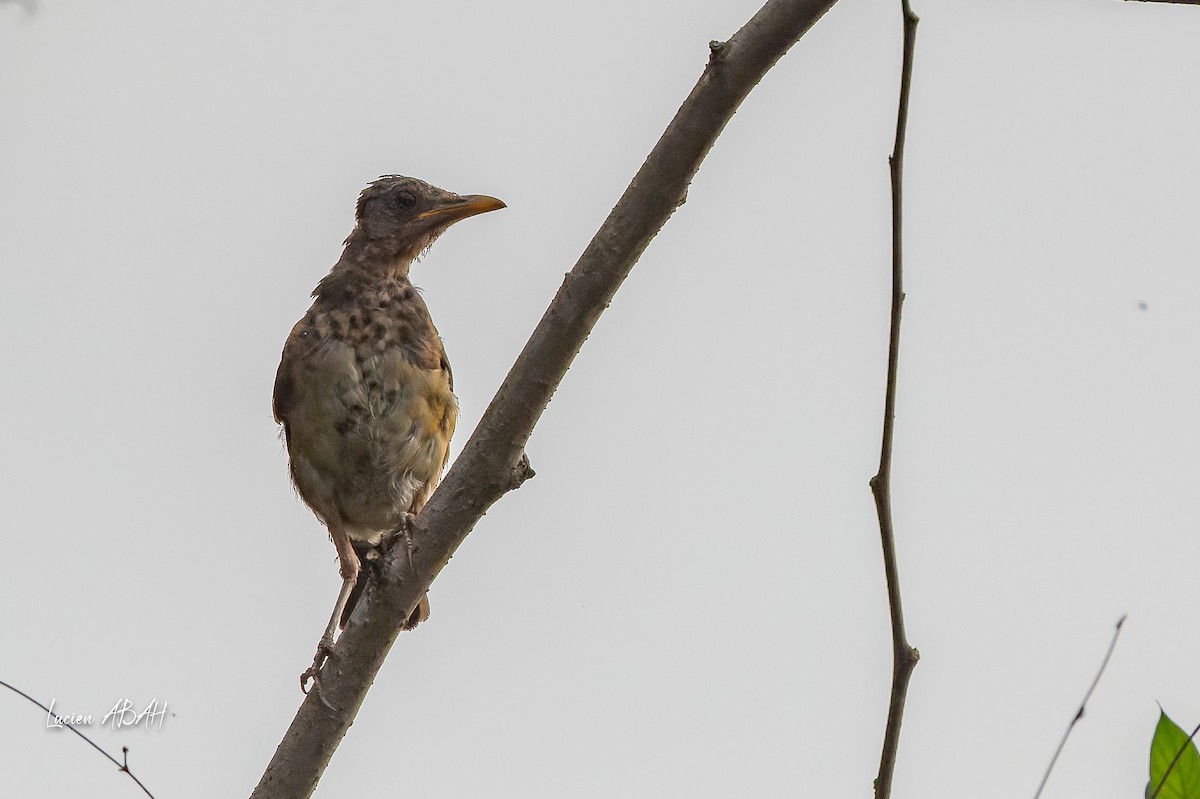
688	599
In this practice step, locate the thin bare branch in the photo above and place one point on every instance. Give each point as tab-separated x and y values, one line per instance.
904	656
122	765
490	463
1112	645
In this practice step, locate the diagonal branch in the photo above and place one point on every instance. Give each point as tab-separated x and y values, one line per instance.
1112	645
904	656
491	462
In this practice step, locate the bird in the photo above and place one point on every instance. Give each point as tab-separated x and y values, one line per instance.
364	390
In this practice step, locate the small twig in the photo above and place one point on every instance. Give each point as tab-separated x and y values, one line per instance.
121	766
1174	760
1082	706
904	656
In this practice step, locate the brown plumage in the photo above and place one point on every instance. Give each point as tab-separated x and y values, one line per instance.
364	390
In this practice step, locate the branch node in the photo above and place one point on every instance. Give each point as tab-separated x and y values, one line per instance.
521	471
716	51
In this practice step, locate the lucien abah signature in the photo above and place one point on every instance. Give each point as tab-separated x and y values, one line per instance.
124	714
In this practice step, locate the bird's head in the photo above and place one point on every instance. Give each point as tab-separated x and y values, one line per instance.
402	216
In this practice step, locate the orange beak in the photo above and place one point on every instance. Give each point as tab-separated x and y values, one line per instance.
461	208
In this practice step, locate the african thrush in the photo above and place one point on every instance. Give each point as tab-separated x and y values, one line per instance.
364	390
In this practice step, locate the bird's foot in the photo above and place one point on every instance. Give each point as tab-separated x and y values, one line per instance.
313	672
403	530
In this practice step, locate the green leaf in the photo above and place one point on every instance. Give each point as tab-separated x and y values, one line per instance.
1184	780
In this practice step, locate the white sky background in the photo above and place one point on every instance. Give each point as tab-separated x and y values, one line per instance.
688	599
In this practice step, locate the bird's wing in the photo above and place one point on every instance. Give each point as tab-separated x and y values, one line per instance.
299	344
453	419
281	399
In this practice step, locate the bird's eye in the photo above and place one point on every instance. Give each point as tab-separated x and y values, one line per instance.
405	199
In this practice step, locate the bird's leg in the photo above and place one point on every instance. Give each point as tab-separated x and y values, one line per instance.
350	567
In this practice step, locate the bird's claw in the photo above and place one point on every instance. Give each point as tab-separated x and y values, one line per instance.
316	678
313	672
